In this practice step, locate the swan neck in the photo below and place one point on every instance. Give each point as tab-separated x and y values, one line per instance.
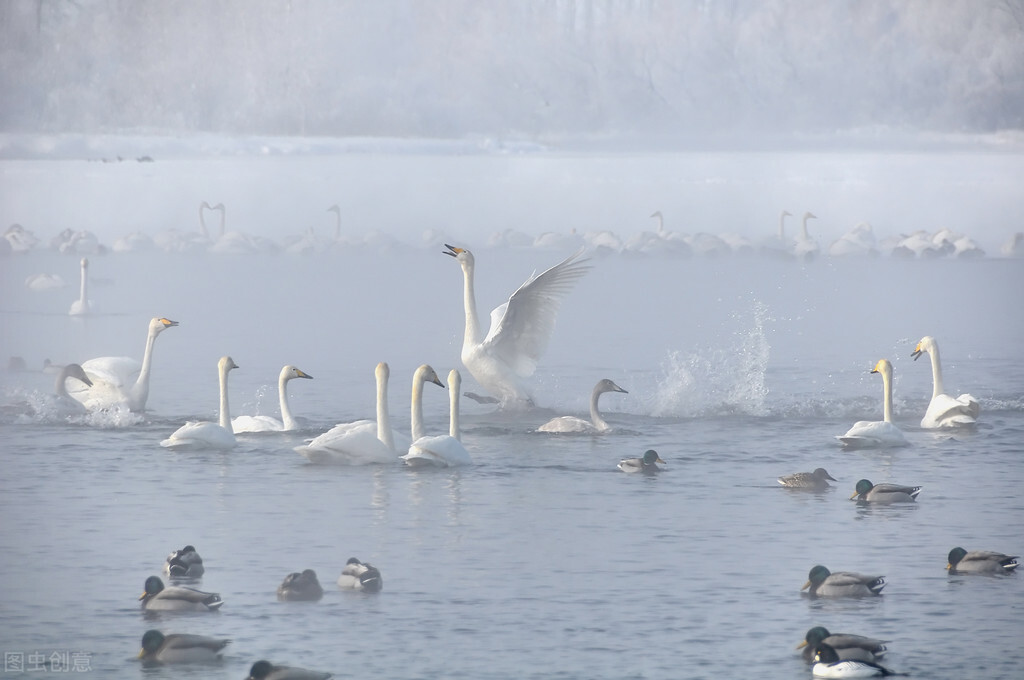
595	414
225	413
60	387
453	420
937	386
416	417
384	433
782	227
287	419
472	322
803	229
140	391
83	294
887	396
202	221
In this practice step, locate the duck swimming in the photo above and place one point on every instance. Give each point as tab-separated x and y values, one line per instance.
300	586
648	464
866	492
959	561
180	648
823	583
156	597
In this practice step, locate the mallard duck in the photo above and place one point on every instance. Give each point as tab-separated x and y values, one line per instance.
304	586
847	646
980	562
184	563
360	576
884	493
823	583
264	670
827	664
807	480
177	598
180	648
648	464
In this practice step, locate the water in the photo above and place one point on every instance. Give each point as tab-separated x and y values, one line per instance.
541	560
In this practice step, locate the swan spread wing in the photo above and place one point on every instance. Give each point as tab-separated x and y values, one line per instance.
521	328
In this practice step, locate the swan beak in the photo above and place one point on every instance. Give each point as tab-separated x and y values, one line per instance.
806	586
299	373
454	251
168	323
437	381
917	352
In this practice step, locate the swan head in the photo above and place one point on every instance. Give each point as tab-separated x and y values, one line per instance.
809	216
225	364
383	371
77	372
883	366
85	263
464	257
606	385
160	324
425	374
927	344
289	372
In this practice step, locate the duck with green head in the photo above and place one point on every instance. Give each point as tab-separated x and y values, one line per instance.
823	583
959	561
648	464
866	492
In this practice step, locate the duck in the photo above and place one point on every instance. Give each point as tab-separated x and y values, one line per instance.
648	464
157	597
807	480
184	563
823	583
866	434
846	645
866	492
828	664
180	648
269	423
444	450
122	380
205	434
520	327
943	410
596	424
300	586
264	670
358	575
959	561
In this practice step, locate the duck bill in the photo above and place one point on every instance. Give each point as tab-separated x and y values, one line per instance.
804	643
806	586
143	596
855	494
142	653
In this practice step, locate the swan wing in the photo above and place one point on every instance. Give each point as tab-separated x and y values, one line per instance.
200	435
118	371
353	443
521	328
441	450
256	424
945	411
567	424
873	434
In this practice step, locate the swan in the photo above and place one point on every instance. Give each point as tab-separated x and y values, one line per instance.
944	410
858	241
807	480
777	247
806	248
180	648
596	425
264	670
867	492
300	586
867	434
358	575
176	241
156	597
442	450
40	282
118	380
520	328
823	583
184	563
269	423
959	561
361	442
847	645
81	305
1013	246
20	239
204	434
829	664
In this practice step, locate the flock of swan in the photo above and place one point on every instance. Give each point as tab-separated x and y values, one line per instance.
860	240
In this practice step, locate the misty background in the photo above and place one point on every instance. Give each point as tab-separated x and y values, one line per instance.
654	70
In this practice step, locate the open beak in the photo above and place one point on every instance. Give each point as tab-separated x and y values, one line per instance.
917	352
452	250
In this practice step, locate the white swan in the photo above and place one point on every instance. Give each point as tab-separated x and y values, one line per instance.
269	423
204	434
40	282
361	442
868	434
858	241
520	328
944	410
118	380
806	248
777	247
595	425
442	450
82	305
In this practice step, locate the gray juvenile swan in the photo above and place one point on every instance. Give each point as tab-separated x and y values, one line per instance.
596	424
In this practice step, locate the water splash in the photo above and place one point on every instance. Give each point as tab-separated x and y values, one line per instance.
720	380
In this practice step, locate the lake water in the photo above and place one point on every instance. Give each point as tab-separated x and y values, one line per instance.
541	560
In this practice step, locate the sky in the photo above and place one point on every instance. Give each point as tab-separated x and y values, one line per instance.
638	70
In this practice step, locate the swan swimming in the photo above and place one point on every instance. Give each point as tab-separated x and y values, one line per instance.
520	328
806	248
204	434
876	434
82	306
361	442
118	380
944	410
596	424
269	423
441	450
59	404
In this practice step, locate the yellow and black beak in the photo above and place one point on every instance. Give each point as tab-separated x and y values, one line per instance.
452	250
917	352
302	374
168	323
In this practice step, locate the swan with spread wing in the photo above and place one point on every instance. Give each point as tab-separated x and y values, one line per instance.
520	328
